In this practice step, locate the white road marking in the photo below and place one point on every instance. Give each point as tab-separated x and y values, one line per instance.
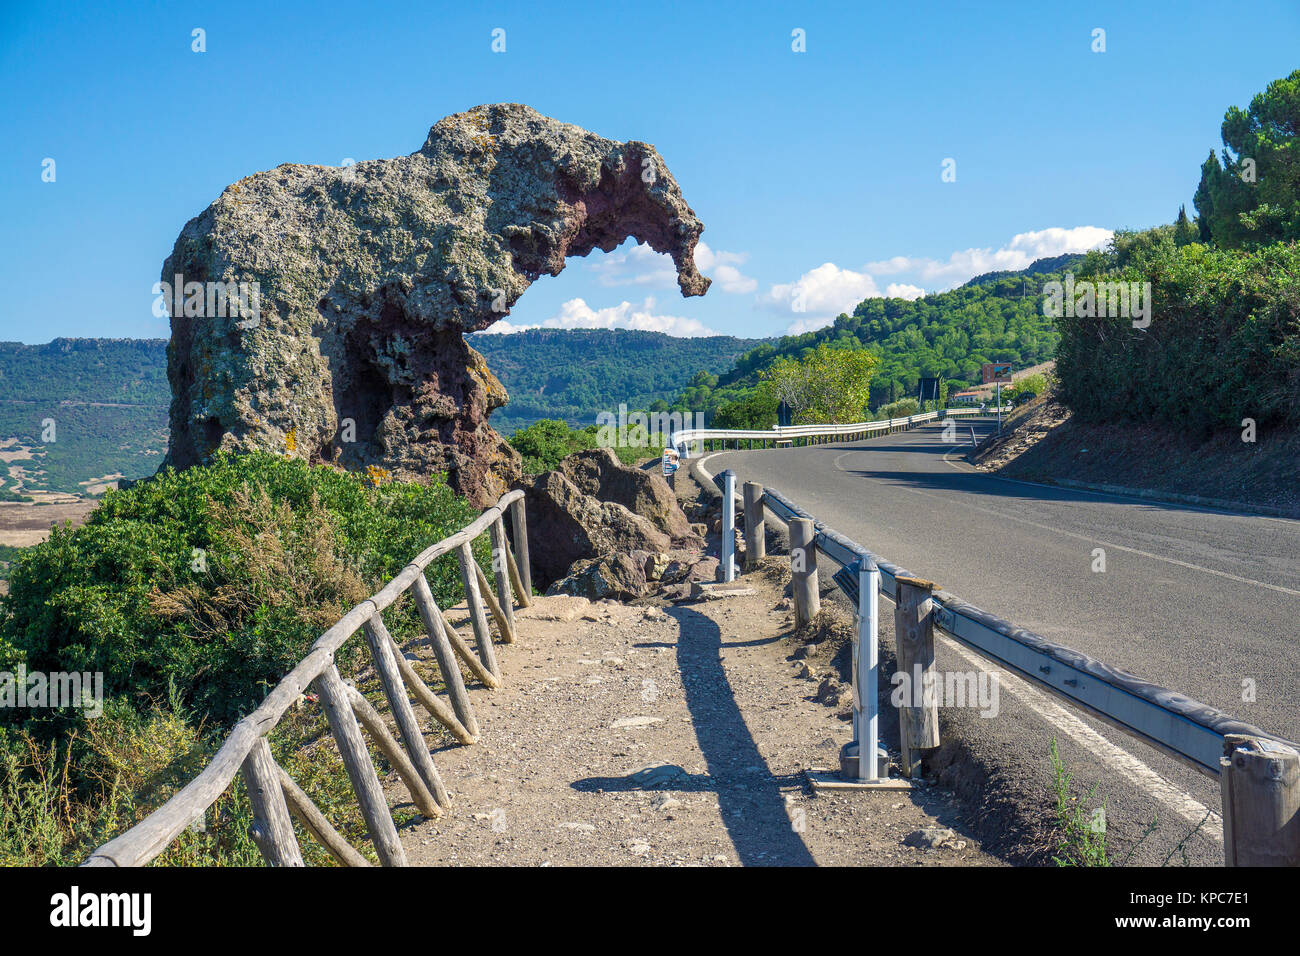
1133	769
1083	537
1110	544
1050	712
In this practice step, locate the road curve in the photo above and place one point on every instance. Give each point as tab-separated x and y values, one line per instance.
1205	602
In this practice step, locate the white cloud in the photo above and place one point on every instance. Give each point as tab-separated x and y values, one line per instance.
826	290
721	267
808	325
1022	250
901	290
641	265
576	314
818	296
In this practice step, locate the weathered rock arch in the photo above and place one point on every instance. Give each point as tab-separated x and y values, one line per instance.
368	275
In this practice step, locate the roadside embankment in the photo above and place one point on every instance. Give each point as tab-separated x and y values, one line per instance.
1045	443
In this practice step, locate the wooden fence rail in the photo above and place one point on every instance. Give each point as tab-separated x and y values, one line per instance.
275	798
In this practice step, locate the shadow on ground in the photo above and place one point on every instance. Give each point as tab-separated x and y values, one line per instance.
750	800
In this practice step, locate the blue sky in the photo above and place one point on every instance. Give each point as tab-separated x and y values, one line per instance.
817	174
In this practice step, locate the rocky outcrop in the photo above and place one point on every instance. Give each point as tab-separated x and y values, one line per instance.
599	473
593	506
615	577
566	526
367	275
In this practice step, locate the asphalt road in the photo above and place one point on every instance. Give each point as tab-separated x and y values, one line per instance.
1201	601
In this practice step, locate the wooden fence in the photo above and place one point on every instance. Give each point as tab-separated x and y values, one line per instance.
275	797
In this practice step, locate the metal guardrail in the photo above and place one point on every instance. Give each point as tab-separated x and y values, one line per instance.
1173	723
1258	772
683	440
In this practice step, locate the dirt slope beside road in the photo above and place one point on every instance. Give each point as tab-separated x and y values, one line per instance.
1046	443
667	737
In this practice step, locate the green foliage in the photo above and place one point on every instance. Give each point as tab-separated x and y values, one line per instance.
283	550
899	409
107	398
756	408
8	553
574	374
1026	389
1082	836
824	384
60	799
949	335
1223	344
545	443
1253	197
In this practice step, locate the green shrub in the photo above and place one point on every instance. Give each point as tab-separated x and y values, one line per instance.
545	443
215	580
899	409
1223	343
1026	389
756	408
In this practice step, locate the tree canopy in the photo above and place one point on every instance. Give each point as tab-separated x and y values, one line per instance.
1252	196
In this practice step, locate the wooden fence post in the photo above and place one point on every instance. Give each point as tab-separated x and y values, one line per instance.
272	829
505	627
477	614
803	567
467	654
755	527
429	700
370	719
381	649
501	548
451	675
1260	780
365	781
519	525
918	716
314	821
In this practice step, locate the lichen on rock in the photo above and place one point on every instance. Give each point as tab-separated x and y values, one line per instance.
368	275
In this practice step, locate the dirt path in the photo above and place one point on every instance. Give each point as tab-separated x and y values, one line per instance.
676	736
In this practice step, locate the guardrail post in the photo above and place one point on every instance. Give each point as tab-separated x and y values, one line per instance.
803	568
727	551
1260	779
866	671
918	717
755	526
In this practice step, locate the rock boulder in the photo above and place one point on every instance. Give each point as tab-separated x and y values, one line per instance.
616	577
361	279
565	526
599	473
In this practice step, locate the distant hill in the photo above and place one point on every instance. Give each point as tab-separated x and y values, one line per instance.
103	402
573	374
1038	267
997	317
